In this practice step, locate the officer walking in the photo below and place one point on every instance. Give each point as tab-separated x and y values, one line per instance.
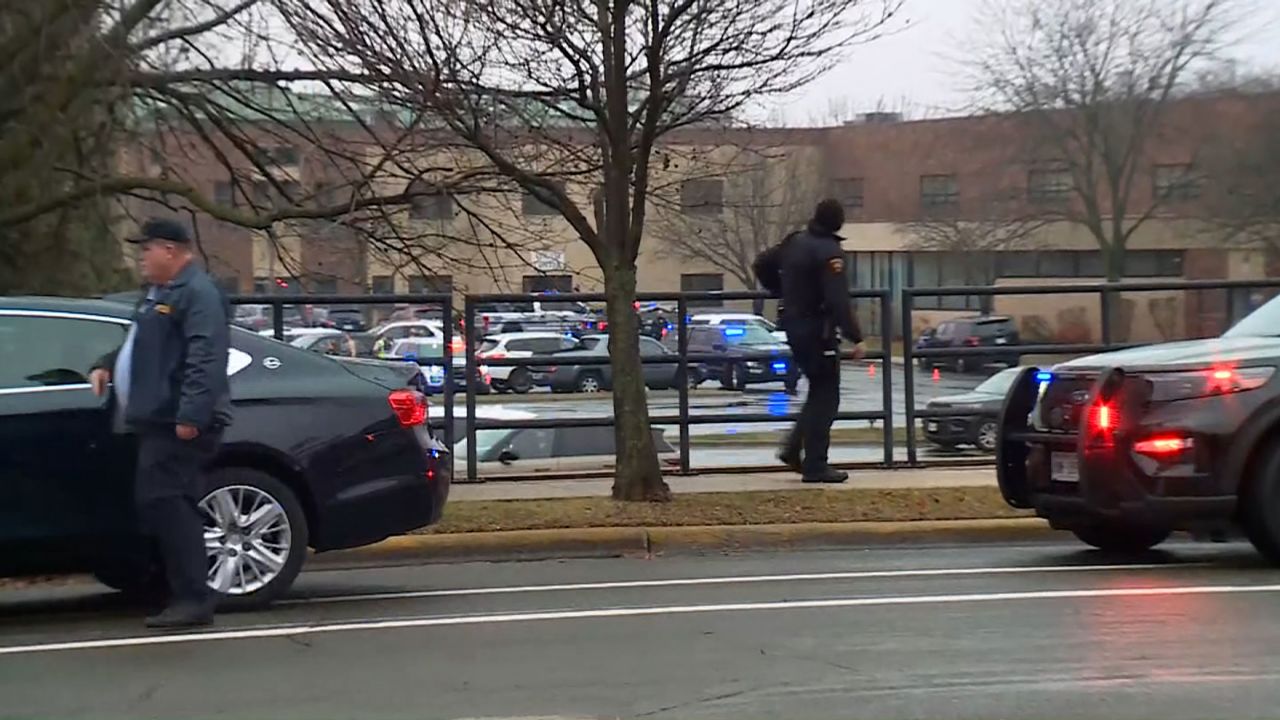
807	271
170	389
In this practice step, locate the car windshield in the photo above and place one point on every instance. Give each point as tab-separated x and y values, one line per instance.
1263	322
999	383
748	335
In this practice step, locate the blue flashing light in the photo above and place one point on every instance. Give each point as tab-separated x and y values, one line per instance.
735	331
1044	376
780	366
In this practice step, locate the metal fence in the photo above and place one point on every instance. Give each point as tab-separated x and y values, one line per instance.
684	420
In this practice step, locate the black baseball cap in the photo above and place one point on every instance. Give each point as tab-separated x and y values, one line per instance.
162	229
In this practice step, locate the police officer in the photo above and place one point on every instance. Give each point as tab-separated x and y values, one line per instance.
807	271
170	389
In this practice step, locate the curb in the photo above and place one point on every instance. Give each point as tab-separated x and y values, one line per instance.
518	545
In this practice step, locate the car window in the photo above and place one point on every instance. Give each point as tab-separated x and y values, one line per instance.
488	345
522	345
581	441
992	329
533	443
590	343
650	347
45	352
747	335
999	383
945	330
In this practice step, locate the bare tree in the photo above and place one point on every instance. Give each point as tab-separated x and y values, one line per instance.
1095	83
115	108
563	98
1244	165
767	192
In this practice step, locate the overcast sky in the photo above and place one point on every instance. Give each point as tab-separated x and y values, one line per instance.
912	68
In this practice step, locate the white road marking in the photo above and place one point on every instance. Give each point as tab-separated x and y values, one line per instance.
500	618
737	580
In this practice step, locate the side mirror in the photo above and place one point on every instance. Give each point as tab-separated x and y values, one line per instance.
508	456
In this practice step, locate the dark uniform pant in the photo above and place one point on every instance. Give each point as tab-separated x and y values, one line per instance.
168	489
820	363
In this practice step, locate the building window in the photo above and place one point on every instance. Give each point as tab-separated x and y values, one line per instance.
382	285
945	269
1049	185
224	193
703	282
324	286
530	205
849	191
436	206
939	191
1176	183
278	156
702	197
547	283
430	284
1153	263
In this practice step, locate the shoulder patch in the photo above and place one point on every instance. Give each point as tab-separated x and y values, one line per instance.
836	265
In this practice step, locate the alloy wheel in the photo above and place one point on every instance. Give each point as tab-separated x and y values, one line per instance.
247	538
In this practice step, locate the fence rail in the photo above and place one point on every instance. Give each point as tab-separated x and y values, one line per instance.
684	359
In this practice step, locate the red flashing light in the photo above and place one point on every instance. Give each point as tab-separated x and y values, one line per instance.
410	407
1164	445
1103	418
1223	374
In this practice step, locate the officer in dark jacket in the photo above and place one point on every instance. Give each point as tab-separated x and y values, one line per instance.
807	271
170	388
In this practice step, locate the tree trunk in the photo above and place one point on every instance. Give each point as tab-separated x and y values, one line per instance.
637	475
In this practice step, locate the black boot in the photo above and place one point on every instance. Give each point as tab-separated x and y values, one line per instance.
830	476
183	615
790	458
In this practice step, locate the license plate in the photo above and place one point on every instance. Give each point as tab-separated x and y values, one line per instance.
1064	467
1002	341
931	426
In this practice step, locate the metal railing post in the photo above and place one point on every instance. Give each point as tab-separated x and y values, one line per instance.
469	319
908	375
277	319
886	372
682	348
1107	303
446	313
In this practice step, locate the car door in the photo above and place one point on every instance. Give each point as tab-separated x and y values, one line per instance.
63	472
656	375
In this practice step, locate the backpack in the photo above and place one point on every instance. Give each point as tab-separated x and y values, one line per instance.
768	267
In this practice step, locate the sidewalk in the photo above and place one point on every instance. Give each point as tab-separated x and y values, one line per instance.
710	483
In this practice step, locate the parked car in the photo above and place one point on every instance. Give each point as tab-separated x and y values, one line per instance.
323	453
529	316
538	451
977	429
562	374
259	317
519	378
348	319
430	358
731	343
722	319
986	331
426	332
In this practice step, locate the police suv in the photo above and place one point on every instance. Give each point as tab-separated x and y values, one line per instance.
1125	447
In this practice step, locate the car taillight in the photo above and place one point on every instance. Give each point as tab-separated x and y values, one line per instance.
492	355
972	341
457	345
1102	418
410	407
1163	446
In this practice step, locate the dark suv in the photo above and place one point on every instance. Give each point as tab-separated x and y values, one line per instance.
745	354
1124	447
994	331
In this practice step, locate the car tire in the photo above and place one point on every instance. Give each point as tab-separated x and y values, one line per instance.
986	438
1258	511
520	382
1121	537
249	491
589	382
734	377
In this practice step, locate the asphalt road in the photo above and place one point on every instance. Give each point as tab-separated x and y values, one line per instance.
934	632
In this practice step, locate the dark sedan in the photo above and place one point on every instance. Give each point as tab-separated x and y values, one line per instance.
323	453
563	372
978	428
